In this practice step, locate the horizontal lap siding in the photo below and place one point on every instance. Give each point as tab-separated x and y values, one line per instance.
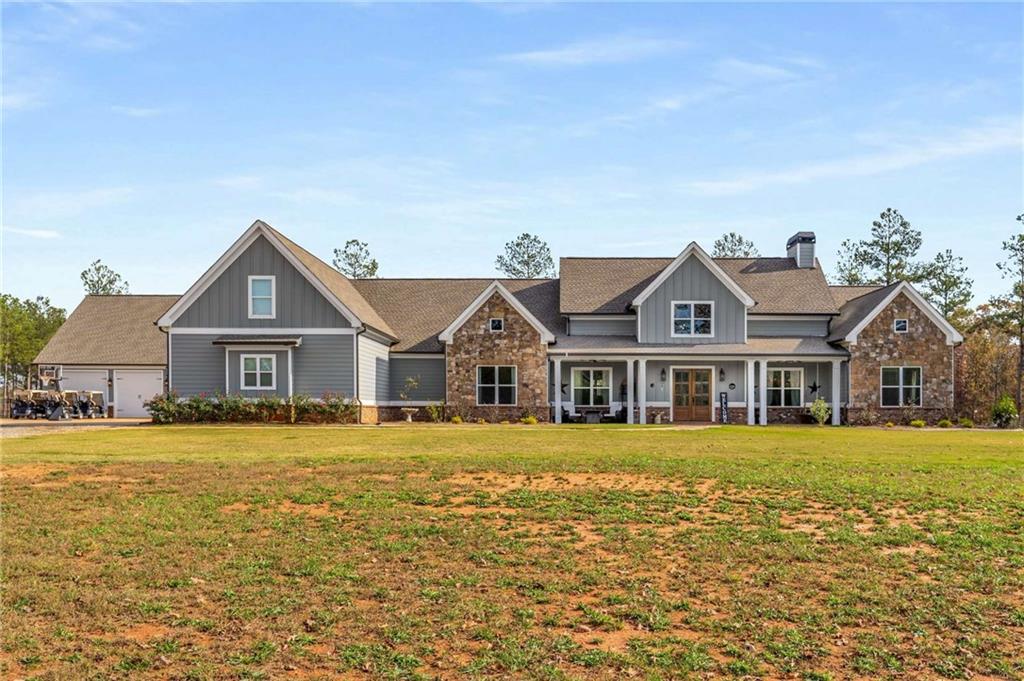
692	281
373	370
324	363
429	371
602	327
197	366
787	328
235	371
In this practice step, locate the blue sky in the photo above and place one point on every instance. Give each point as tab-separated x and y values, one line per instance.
151	136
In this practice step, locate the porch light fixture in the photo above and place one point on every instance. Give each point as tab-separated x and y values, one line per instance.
721	374
663	375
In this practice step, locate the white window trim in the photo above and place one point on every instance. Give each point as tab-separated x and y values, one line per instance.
901	319
769	388
273	296
572	387
273	372
491	321
900	386
691	303
497	384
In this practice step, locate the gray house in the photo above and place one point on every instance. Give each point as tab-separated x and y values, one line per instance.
689	338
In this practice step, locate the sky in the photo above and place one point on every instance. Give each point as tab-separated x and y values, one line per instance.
151	136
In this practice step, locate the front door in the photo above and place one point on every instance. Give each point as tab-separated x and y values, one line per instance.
691	394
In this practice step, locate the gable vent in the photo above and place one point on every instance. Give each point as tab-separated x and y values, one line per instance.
800	247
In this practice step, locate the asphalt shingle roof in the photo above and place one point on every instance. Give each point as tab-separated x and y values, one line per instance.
856	309
111	330
843	293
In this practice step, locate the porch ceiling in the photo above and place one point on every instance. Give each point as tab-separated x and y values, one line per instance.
627	345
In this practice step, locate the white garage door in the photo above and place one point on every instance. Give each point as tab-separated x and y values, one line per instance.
85	379
134	387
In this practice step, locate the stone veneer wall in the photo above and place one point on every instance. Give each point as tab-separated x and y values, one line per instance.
878	345
519	344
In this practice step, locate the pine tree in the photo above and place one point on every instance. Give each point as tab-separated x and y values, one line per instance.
526	257
354	260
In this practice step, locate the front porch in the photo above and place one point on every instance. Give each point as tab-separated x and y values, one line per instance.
670	389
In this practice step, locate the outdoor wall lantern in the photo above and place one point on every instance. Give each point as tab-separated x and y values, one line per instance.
663	375
721	375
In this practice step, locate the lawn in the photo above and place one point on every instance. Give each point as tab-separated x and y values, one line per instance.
513	551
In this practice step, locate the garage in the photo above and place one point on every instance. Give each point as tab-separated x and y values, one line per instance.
133	388
94	380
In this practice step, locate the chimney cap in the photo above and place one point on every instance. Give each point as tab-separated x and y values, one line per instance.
801	237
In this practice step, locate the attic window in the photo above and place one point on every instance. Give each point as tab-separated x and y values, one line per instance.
900	325
261	297
496	325
692	318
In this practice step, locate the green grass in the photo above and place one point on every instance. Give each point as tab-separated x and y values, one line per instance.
513	551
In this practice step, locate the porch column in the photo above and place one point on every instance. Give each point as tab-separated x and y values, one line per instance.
750	392
629	391
290	384
558	390
835	392
763	392
641	381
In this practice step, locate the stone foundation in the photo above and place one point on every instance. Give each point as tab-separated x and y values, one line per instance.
860	416
368	414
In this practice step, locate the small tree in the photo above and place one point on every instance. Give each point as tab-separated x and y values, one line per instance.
354	260
100	280
948	287
820	411
733	245
1008	309
526	257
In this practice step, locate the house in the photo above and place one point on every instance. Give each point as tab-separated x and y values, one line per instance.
689	338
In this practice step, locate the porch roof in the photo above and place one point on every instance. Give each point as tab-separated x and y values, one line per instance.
761	347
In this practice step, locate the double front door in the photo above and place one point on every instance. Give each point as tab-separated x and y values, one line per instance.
691	394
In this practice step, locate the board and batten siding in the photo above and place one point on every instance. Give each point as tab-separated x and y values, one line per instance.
692	280
596	326
429	371
787	328
374	369
225	304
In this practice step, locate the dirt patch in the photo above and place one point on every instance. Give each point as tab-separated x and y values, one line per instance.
143	633
237	507
506	482
27	471
314	510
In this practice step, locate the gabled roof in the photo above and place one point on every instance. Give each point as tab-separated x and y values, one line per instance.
495	287
420	309
842	293
333	285
609	285
858	312
110	330
693	250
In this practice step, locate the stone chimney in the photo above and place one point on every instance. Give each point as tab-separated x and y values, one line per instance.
800	247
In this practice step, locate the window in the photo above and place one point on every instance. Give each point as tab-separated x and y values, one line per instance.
785	387
591	387
496	325
900	325
258	372
901	386
261	297
496	385
692	318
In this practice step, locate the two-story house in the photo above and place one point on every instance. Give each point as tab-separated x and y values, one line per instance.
689	338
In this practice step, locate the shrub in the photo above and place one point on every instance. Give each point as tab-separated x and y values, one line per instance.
337	408
435	412
268	408
481	421
456	419
233	408
163	408
944	423
966	422
529	420
918	423
890	424
1004	412
820	411
237	409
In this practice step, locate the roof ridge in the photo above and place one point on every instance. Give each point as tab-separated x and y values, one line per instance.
449	279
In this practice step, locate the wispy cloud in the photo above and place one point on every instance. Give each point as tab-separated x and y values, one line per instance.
45	205
609	50
741	71
32	233
92	25
984	138
20	100
136	111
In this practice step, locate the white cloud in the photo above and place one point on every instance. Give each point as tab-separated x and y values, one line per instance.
64	204
19	101
988	137
33	233
739	71
136	111
614	49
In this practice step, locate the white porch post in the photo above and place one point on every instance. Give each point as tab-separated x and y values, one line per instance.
750	392
835	392
763	393
629	391
290	384
641	381
558	390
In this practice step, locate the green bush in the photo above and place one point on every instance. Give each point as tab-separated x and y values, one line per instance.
435	412
966	422
529	420
202	408
918	423
820	411
890	424
1004	412
456	419
163	408
944	423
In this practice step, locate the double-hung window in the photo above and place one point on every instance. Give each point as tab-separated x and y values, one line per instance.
785	387
258	372
901	386
496	385
692	318
591	387
261	297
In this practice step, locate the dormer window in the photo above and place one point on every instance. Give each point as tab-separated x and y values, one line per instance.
496	325
692	318
262	303
900	325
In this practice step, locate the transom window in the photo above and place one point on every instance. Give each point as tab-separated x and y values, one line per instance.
496	325
901	386
785	387
496	385
692	318
261	297
258	372
591	387
900	325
